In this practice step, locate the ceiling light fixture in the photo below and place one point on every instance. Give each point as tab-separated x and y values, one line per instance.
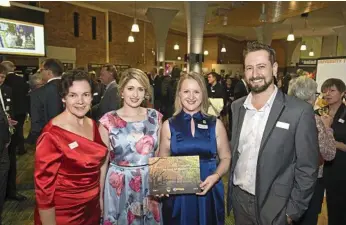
290	36
206	52
131	38
223	49
303	46
5	3
135	27
311	53
179	58
176	46
263	16
225	21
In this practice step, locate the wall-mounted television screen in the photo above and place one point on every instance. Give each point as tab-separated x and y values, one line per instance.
21	38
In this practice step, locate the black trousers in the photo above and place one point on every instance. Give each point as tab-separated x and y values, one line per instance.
17	141
4	167
18	136
336	202
310	217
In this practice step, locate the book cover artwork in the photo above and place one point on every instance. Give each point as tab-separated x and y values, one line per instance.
174	175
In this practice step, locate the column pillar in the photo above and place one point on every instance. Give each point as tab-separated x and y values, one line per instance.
195	19
161	20
264	33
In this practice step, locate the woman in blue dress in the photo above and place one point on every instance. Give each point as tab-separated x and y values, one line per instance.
191	131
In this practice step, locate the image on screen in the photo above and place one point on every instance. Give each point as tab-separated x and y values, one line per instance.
20	38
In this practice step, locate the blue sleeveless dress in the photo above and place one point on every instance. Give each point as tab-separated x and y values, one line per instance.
193	209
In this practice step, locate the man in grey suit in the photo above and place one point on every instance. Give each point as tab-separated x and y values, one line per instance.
274	148
111	99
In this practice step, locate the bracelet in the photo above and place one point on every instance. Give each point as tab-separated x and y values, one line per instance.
218	174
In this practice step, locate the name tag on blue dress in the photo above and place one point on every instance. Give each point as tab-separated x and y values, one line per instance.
202	126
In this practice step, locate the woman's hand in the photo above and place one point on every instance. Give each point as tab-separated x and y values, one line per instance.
327	121
208	183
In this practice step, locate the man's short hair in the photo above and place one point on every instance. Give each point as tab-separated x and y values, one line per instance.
3	69
54	65
112	69
8	65
255	46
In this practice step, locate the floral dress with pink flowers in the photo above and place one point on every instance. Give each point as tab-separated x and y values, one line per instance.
126	200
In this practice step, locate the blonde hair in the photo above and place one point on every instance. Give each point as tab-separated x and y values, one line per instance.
139	76
200	80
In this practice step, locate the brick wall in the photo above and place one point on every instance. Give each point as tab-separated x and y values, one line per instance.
174	37
137	54
59	31
210	44
234	51
280	52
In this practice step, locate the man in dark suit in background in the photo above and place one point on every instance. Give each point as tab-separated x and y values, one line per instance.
18	113
275	153
240	89
110	99
20	109
45	102
4	142
4	160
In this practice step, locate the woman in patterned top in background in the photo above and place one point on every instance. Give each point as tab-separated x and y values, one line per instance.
131	134
305	88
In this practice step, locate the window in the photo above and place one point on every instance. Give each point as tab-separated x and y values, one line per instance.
110	36
76	24
93	27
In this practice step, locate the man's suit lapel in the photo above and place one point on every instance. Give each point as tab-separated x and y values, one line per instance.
241	114
275	112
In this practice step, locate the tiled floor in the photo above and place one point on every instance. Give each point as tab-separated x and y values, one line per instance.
16	213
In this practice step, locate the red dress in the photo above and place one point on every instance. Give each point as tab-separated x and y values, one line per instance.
67	175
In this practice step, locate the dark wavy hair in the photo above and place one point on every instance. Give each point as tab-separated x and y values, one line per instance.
70	76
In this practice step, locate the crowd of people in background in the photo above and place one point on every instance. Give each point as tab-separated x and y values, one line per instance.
94	134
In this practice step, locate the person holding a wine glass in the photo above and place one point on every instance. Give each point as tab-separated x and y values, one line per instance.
333	91
305	89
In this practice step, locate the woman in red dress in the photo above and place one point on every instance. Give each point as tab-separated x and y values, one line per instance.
69	157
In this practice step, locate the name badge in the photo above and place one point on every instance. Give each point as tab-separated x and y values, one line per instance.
8	99
202	126
96	94
283	125
73	145
341	121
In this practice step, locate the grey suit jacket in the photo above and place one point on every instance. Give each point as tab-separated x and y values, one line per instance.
109	102
287	163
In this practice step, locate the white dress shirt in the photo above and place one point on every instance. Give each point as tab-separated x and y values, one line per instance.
54	78
250	142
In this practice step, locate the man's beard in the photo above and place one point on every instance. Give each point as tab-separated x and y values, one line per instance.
258	89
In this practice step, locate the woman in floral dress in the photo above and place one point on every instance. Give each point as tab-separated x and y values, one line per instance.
131	134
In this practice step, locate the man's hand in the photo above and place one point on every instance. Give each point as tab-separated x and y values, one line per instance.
289	220
12	122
